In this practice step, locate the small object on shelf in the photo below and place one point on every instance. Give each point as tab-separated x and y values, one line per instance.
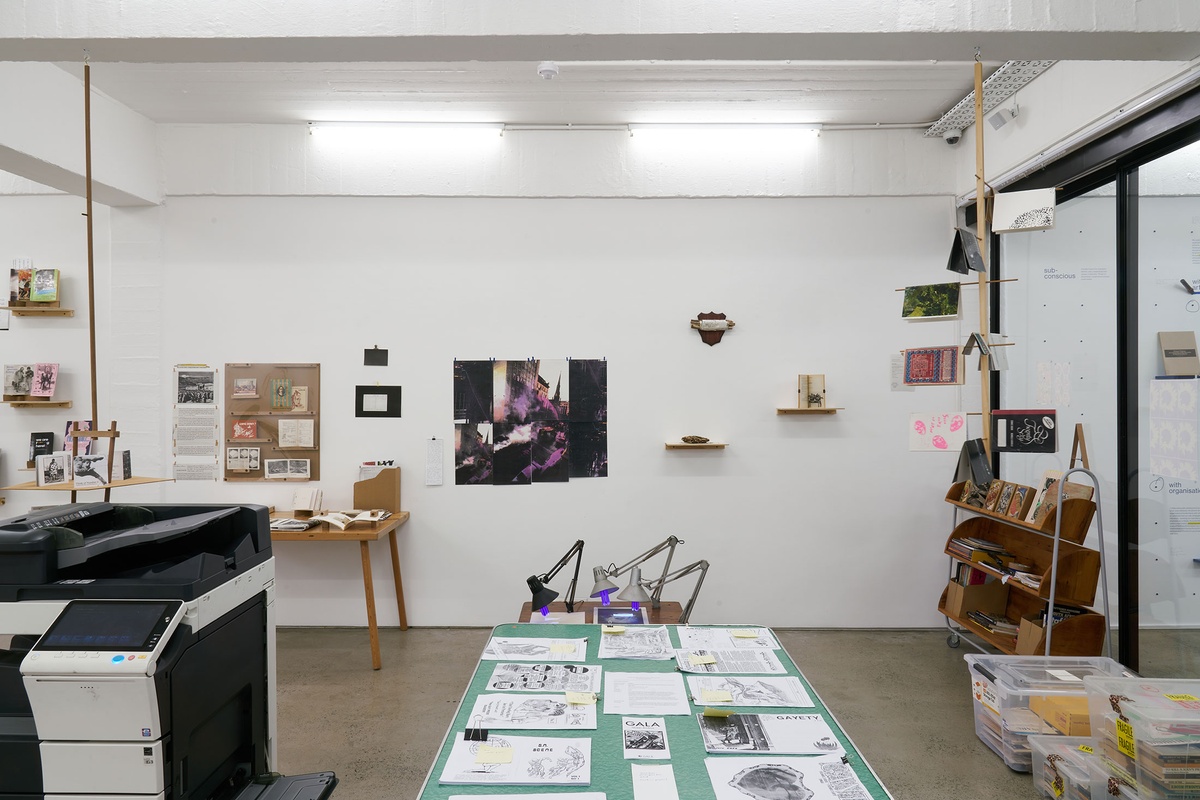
45	286
52	469
712	326
706	445
18	381
829	410
45	380
90	471
695	439
810	391
20	281
932	366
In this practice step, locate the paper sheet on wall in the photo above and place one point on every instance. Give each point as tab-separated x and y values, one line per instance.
897	377
1175	428
295	433
433	462
5	318
195	472
196	432
937	431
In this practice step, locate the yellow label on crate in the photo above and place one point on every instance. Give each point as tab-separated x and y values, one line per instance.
700	658
564	647
486	754
581	698
1182	698
718	712
612	628
744	633
1086	748
716	696
1125	740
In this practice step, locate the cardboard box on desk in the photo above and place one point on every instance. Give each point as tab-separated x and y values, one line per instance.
990	598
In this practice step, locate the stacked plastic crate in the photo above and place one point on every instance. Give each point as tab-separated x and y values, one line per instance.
1016	697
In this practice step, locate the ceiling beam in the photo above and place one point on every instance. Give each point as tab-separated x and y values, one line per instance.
44	143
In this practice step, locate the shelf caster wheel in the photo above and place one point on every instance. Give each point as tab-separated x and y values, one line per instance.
952	640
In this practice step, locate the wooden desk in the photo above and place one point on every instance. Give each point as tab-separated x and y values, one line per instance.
665	614
364	535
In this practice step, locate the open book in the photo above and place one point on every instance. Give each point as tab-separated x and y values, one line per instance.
341	520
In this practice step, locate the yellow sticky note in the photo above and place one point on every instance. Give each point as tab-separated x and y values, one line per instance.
698	658
565	647
612	628
581	698
1182	698
1125	741
1086	748
718	712
486	754
744	633
1057	786
716	696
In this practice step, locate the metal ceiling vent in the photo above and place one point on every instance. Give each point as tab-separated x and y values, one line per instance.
998	87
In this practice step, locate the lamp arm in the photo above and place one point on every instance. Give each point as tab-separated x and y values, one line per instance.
670	542
657	585
576	551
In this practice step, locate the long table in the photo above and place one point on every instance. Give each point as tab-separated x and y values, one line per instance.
611	772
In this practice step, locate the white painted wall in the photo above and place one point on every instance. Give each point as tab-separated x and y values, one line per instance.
780	514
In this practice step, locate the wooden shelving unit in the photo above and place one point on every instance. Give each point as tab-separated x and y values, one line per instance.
38	311
38	403
807	410
703	446
1077	576
70	486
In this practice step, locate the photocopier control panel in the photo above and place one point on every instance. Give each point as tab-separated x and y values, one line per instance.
105	637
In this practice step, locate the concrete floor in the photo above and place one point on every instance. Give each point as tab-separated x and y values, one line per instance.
903	697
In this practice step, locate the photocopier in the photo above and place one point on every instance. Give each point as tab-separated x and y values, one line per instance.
137	656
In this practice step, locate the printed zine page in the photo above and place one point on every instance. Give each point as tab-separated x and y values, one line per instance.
545	678
541	712
528	649
645	737
793	734
519	761
731	661
736	691
656	693
726	638
812	778
637	642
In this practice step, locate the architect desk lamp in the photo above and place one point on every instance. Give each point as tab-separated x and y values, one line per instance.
544	596
636	592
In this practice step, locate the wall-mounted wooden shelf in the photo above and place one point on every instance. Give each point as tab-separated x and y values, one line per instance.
807	410
36	311
703	446
70	486
38	403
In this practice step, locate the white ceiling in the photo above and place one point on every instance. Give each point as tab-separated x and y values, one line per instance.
585	92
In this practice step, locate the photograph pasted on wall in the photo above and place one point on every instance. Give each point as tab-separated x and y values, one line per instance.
530	421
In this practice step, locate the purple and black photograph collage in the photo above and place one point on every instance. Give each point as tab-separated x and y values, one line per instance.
530	421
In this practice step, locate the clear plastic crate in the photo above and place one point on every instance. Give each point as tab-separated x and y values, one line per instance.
1018	696
1148	734
1061	766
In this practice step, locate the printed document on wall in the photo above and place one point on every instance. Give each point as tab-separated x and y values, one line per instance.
196	431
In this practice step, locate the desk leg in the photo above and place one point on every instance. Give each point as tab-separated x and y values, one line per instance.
369	588
399	585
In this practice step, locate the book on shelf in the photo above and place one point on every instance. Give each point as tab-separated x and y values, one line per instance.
18	379
20	282
90	470
341	520
244	429
308	500
810	391
52	469
44	286
994	623
1047	498
40	444
1024	431
45	380
84	445
1179	352
122	466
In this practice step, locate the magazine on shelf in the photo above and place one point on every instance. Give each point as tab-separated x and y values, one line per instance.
341	520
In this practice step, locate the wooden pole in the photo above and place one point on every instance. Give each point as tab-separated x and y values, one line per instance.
91	263
985	402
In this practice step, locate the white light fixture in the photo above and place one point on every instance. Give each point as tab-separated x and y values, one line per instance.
742	127
397	126
998	87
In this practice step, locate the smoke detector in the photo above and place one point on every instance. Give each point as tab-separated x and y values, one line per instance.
548	70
